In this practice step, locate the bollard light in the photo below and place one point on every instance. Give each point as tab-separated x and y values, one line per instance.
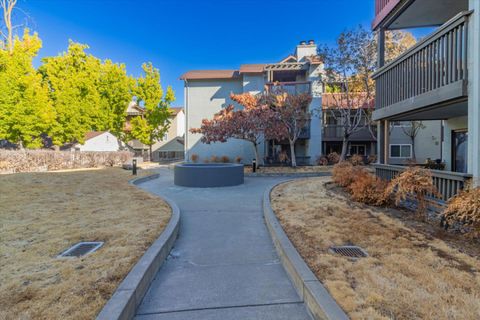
134	167
254	165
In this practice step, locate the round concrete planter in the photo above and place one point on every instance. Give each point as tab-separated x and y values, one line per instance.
195	175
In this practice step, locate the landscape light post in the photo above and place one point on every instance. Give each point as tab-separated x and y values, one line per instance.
254	165
134	167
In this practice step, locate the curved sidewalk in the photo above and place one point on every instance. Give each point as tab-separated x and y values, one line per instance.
224	264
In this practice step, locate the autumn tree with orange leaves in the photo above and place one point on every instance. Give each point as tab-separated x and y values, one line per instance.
252	123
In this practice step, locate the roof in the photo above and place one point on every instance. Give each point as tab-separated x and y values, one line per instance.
92	134
174	111
290	58
210	74
252	68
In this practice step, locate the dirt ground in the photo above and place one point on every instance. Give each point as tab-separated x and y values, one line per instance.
285	169
413	271
42	214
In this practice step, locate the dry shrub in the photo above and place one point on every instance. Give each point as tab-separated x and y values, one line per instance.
372	158
225	159
356	160
413	183
322	161
194	157
369	189
238	159
465	208
214	159
333	158
344	173
48	160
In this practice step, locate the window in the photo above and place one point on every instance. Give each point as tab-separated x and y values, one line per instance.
360	149
400	151
401	124
165	137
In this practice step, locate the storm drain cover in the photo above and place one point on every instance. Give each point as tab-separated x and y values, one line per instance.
81	249
349	251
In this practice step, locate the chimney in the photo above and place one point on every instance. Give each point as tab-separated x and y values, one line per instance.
305	50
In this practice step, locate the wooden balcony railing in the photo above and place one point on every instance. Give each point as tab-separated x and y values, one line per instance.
436	62
292	88
447	183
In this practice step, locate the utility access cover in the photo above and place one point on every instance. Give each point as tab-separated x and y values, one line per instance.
81	249
349	251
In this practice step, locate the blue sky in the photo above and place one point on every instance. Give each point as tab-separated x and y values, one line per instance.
178	36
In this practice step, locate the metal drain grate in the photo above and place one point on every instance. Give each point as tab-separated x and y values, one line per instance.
81	249
349	251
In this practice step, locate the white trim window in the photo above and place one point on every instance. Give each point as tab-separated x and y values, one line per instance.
403	151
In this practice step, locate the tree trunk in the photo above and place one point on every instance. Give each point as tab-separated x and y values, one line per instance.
292	154
343	155
414	156
257	157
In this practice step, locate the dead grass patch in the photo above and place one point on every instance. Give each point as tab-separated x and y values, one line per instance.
409	274
41	214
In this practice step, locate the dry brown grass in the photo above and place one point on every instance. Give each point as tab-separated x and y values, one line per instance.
42	214
408	275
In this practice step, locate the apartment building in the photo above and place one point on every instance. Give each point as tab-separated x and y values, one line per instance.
208	91
436	80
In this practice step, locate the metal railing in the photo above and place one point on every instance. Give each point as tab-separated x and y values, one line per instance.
330	131
433	63
447	183
292	88
381	4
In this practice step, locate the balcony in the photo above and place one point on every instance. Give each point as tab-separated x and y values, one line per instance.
305	132
404	14
335	133
433	72
292	88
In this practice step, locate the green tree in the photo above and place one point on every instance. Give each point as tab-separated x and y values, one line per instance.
87	94
26	112
154	124
72	79
115	89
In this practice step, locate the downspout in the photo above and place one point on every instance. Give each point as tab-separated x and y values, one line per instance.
186	120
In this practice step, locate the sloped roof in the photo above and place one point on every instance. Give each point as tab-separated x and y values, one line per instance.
92	134
252	68
339	100
290	58
174	111
210	74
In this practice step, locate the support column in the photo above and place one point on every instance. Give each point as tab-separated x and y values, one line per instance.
380	142
474	92
381	48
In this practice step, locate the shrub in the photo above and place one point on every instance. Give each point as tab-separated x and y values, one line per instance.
48	160
194	157
238	159
225	159
465	208
369	189
356	160
214	159
333	158
372	158
322	161
413	182
343	174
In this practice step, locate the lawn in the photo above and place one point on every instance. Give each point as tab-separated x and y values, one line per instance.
412	272
42	214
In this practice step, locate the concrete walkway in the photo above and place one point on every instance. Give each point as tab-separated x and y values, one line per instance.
223	265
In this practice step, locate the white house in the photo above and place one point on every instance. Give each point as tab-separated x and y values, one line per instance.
99	141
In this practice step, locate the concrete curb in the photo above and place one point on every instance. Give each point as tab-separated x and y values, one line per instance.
290	175
317	299
125	300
